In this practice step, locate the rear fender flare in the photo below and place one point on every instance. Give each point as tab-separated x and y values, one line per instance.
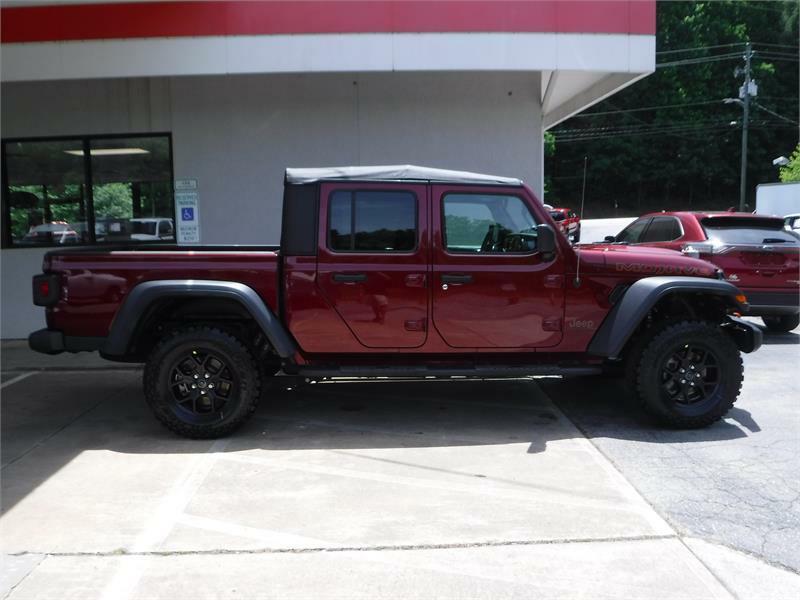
629	312
141	297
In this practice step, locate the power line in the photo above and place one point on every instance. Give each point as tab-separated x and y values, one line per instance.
698	48
665	130
778	57
647	108
704	59
772	112
776	53
776	45
643	125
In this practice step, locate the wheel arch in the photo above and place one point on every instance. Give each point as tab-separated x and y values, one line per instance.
146	300
712	297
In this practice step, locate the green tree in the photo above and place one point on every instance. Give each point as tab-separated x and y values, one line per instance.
669	141
791	172
113	200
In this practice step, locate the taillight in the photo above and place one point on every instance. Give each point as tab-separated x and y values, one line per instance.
46	289
696	249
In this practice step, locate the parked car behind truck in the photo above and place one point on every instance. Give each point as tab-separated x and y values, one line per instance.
569	222
400	271
755	252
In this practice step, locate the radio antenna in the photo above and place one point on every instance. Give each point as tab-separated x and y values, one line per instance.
577	281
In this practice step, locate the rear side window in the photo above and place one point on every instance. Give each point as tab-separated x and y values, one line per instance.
662	229
632	232
372	221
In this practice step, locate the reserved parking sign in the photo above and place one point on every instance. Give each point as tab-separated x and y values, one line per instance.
188	225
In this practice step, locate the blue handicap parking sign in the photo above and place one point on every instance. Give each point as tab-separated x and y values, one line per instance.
187	214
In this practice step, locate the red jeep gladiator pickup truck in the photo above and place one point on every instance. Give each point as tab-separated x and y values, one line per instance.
398	271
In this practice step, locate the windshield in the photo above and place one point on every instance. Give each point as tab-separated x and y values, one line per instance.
557	215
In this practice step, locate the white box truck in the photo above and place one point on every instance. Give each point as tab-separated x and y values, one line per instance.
778	199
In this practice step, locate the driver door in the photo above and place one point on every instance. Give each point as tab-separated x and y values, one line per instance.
491	286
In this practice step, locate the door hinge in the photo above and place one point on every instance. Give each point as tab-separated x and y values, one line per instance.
415	325
551	324
415	280
554	281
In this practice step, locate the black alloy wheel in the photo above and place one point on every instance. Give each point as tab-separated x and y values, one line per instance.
686	374
202	382
690	375
202	385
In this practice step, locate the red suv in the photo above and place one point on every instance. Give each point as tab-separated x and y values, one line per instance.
755	252
568	222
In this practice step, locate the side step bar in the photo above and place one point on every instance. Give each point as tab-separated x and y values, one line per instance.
444	372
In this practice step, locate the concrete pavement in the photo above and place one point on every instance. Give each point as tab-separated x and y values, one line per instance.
373	490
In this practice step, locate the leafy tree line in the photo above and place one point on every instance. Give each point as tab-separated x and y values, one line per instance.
669	141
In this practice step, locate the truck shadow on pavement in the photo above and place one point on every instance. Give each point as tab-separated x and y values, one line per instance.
601	406
53	418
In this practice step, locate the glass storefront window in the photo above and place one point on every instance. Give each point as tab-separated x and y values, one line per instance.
45	193
88	190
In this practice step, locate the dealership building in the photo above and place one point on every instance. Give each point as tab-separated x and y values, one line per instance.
143	122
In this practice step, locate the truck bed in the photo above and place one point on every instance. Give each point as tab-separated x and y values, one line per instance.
96	280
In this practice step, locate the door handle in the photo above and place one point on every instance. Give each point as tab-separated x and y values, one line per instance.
349	277
450	278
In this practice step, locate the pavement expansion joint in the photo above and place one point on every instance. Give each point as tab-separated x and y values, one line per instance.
378	548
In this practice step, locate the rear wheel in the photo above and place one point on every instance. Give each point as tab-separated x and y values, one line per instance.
687	374
781	323
201	382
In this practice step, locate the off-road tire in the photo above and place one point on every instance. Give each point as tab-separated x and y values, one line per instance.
650	373
781	323
160	371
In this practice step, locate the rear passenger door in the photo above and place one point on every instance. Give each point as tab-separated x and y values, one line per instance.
373	260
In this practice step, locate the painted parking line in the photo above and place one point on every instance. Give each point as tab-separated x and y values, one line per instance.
16	379
173	505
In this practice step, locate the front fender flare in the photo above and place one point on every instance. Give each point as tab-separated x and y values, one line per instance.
123	328
626	315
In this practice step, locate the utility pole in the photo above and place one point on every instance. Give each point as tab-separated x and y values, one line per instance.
744	94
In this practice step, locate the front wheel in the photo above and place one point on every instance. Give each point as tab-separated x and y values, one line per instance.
576	237
201	382
687	374
781	323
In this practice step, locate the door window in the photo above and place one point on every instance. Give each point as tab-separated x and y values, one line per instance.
662	229
633	231
372	221
488	223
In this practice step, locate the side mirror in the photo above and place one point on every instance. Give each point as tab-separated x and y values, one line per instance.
546	241
610	239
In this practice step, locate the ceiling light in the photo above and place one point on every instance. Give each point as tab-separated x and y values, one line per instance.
109	151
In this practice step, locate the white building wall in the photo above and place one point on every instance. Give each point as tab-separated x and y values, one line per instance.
236	134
